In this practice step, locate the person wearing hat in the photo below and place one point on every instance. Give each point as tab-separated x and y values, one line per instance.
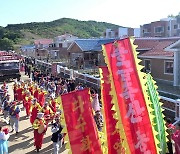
34	109
56	134
14	116
40	127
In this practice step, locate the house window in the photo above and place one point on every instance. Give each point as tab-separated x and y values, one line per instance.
60	45
147	65
175	26
158	29
168	67
168	28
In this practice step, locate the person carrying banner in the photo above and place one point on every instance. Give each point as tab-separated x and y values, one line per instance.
40	127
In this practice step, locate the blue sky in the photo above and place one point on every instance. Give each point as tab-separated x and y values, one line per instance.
131	13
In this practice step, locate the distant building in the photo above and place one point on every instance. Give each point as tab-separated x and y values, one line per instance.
41	47
63	41
42	43
158	58
28	50
121	32
167	27
87	53
58	49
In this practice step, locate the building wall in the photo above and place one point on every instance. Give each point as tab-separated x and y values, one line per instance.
162	24
157	69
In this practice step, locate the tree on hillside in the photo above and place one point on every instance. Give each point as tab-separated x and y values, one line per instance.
6	44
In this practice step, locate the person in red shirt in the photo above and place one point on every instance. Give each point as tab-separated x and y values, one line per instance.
24	94
35	108
28	103
48	113
40	127
52	103
41	98
36	92
19	93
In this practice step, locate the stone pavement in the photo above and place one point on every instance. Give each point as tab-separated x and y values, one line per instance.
23	142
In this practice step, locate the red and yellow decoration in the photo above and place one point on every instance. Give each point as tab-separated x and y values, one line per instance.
128	96
114	143
81	128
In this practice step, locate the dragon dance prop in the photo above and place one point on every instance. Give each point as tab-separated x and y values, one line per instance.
137	123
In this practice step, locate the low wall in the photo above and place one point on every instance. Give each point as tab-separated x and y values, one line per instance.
171	106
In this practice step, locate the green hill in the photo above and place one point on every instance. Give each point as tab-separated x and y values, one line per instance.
82	29
19	34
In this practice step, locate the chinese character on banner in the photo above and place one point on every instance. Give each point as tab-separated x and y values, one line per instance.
86	144
81	124
142	139
135	111
119	148
78	104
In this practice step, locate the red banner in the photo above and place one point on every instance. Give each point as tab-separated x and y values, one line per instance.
113	138
132	106
80	123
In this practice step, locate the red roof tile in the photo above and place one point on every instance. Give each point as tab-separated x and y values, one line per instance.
155	46
43	41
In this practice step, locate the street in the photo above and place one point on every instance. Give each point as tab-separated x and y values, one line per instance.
23	142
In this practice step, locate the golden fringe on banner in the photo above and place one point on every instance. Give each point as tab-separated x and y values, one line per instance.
117	115
66	139
144	88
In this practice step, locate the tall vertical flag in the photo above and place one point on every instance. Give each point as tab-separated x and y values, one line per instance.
113	141
81	127
128	96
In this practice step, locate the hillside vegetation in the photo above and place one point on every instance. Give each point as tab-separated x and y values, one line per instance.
15	35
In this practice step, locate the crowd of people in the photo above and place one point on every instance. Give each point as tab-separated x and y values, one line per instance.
38	98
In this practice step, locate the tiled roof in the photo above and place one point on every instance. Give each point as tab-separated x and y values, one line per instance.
92	44
43	41
155	47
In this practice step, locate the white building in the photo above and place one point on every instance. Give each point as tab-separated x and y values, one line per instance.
63	41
